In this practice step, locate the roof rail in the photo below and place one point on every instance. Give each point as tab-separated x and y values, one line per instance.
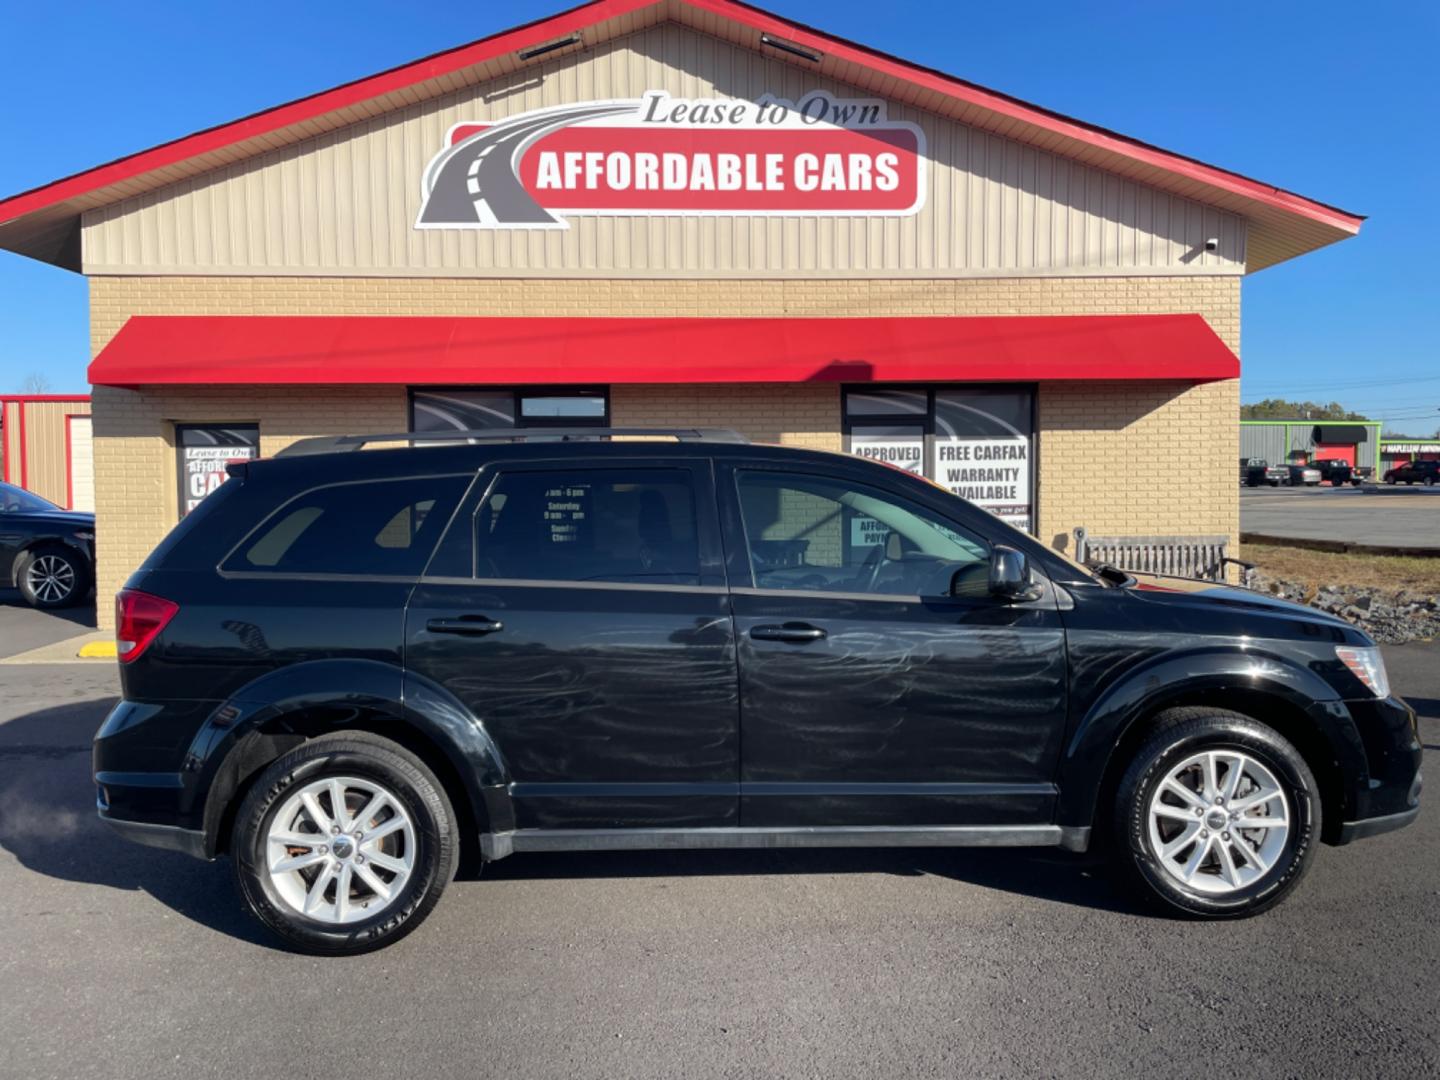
338	444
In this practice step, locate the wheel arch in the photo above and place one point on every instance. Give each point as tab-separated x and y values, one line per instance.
1294	702
285	709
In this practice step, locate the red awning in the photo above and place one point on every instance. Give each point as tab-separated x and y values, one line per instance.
269	350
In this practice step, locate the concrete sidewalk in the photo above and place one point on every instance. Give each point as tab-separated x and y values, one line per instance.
96	646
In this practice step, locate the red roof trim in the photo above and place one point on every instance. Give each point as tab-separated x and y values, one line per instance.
408	350
25	399
577	18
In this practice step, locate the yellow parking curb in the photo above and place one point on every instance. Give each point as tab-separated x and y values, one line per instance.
97	650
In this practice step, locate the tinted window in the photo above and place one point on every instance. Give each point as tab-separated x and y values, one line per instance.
807	532
377	527
604	525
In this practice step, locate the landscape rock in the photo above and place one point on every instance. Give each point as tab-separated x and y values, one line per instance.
1391	617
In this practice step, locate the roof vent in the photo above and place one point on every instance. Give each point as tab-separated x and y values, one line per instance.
788	47
549	47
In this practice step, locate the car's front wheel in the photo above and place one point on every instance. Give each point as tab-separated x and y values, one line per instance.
1219	815
52	576
344	844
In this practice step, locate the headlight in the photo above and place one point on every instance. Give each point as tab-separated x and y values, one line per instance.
1366	665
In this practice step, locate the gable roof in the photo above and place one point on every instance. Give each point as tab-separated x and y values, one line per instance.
43	222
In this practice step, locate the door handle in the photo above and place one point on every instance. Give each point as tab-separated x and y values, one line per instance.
787	632
476	625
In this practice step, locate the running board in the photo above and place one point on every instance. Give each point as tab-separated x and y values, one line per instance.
498	845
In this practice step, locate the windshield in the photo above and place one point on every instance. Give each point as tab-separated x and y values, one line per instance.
14	500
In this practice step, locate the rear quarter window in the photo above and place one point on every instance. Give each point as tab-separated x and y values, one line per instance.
387	527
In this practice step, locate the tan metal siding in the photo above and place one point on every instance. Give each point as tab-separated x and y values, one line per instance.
45	448
344	202
46	470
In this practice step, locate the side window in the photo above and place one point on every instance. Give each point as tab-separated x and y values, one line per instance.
808	532
376	527
626	525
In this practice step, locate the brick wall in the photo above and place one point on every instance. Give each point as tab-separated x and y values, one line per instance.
1096	438
1137	459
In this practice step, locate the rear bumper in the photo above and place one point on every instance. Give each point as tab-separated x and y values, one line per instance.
144	788
1359	830
169	837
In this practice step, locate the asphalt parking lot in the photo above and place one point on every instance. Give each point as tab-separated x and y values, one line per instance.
122	961
1401	516
23	628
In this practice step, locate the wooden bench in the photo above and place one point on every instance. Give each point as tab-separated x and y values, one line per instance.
1201	557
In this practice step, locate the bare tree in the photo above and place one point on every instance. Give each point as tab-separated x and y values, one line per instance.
35	383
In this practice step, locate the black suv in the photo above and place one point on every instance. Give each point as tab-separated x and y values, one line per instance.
352	670
1414	472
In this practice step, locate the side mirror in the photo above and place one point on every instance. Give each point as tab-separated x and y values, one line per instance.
1010	577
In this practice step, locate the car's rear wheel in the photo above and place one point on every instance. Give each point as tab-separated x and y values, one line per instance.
1219	814
344	844
52	576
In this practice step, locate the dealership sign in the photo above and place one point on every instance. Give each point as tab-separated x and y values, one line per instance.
658	155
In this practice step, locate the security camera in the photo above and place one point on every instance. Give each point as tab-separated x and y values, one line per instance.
1212	244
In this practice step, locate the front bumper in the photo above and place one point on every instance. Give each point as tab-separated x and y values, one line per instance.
1390	796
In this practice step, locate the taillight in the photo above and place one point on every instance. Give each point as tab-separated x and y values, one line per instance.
139	618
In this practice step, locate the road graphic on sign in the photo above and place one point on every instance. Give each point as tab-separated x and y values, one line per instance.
476	183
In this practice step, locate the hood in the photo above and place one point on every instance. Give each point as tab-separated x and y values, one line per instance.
1175	590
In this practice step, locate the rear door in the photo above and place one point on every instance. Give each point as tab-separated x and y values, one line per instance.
869	694
580	612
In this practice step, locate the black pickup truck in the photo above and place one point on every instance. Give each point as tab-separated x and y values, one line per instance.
1340	472
1255	471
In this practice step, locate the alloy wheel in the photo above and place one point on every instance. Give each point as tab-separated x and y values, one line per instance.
50	578
1218	821
340	849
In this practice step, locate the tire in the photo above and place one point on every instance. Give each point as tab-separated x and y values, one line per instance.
368	765
52	576
1285	851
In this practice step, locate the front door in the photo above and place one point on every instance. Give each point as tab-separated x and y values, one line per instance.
581	615
869	694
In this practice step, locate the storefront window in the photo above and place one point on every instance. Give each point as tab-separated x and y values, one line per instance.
976	441
203	451
467	409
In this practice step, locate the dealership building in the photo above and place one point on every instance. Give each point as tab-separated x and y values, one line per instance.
675	213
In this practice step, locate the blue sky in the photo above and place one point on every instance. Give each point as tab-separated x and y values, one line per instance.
1338	102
